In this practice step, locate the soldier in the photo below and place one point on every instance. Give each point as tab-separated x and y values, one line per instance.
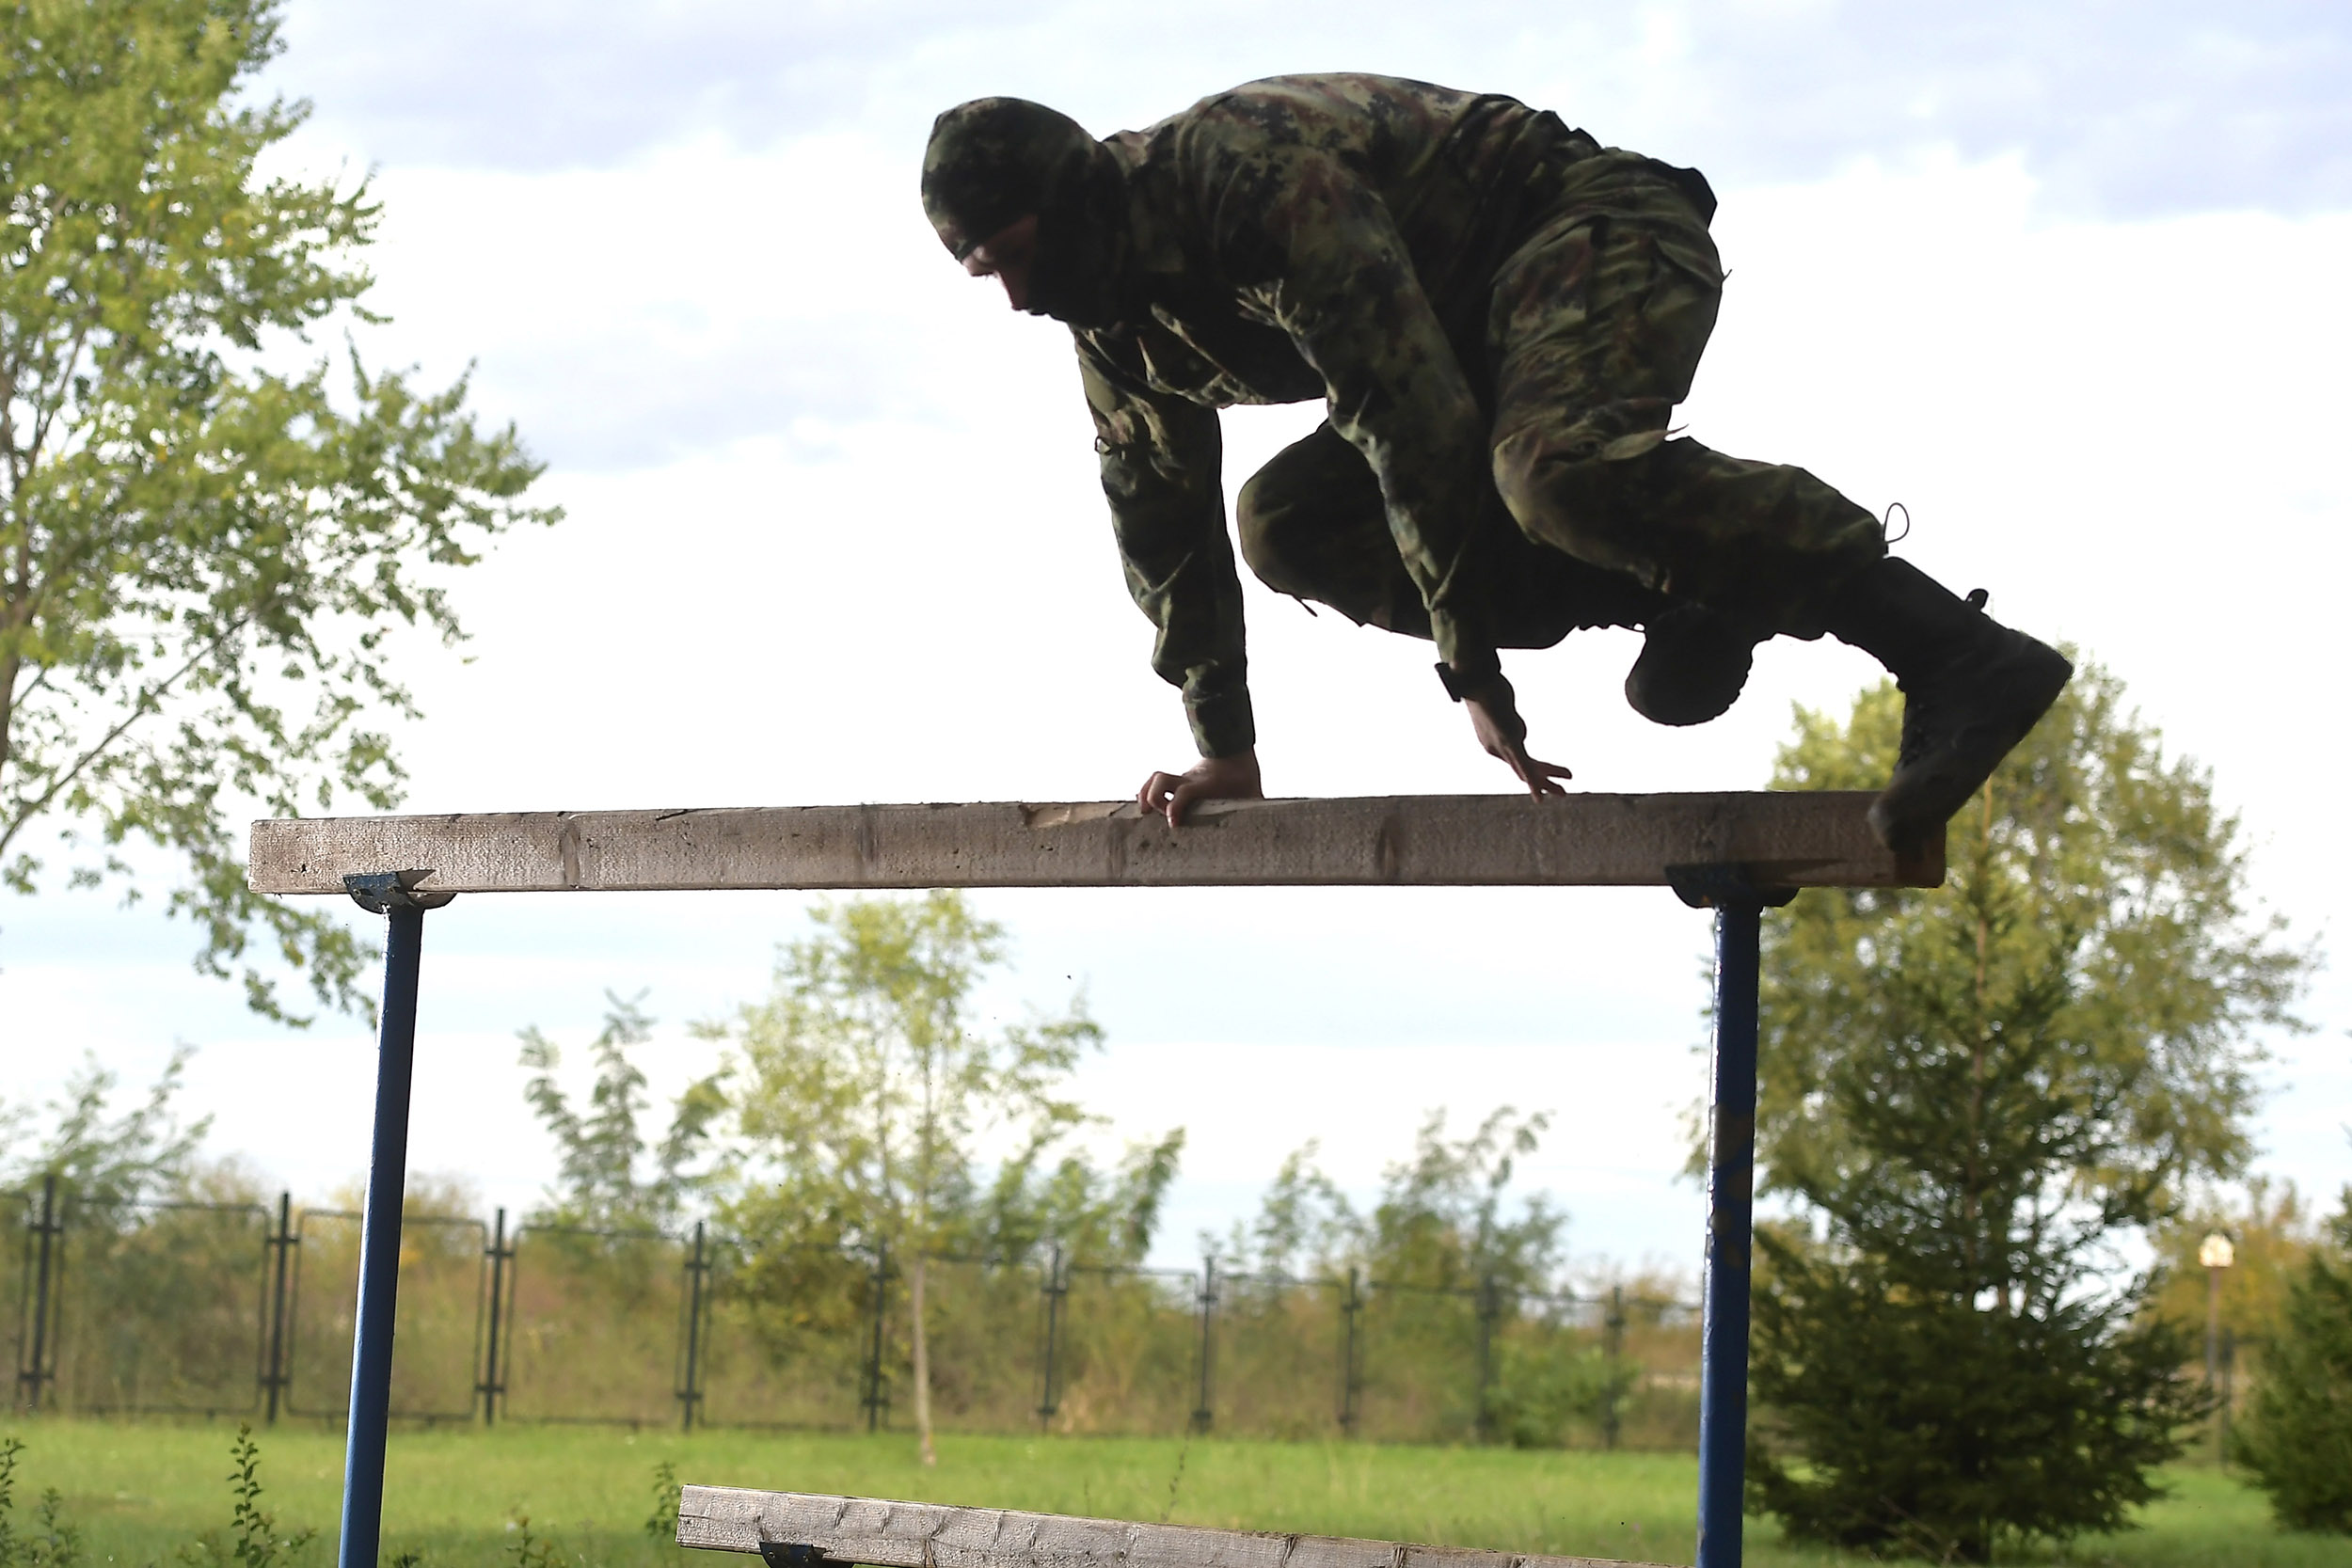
1499	315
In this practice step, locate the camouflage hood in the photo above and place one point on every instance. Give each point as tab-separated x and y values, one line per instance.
993	161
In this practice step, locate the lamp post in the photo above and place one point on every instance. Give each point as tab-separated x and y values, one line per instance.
2216	1253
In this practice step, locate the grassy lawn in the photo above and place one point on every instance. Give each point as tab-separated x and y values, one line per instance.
142	1492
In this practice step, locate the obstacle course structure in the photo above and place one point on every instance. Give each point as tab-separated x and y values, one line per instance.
1735	853
808	1530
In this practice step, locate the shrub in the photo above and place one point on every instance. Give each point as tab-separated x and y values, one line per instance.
52	1543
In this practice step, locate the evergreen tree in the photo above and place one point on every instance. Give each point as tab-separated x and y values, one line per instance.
1972	1092
2297	1435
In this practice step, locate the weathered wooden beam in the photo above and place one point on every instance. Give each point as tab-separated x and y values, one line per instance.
1784	839
800	1529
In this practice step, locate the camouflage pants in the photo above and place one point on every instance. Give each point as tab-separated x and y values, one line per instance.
1595	328
1313	526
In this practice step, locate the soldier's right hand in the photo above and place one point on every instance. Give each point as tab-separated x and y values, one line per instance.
1496	721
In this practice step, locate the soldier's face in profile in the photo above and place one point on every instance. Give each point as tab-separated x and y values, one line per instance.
1007	256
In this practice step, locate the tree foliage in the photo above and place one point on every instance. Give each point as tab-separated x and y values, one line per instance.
866	1097
1099	1217
1447	1225
2296	1440
863	1091
2272	1228
1445	1219
603	1181
204	556
1972	1092
2098	893
102	1157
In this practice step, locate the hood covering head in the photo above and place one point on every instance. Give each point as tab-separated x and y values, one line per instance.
994	161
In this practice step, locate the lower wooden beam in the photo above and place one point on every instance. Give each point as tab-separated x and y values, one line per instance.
804	1530
1782	839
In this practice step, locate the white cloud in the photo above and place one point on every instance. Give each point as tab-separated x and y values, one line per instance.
2170	106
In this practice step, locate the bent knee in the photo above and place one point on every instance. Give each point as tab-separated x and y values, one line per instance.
1268	523
1577	489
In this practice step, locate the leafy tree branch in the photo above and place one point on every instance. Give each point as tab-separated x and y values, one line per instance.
204	557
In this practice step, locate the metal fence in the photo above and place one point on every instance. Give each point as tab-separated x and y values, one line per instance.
241	1309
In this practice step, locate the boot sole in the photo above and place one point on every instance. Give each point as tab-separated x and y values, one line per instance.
1688	676
2018	685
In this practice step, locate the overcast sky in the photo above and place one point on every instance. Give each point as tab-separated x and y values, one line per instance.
2066	281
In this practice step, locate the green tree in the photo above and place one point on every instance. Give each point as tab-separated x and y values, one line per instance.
1445	1233
203	556
603	1182
1972	1092
863	1091
1444	1219
2297	1439
103	1158
1097	1217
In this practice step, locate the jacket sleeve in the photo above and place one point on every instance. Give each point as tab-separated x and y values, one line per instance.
1338	278
1162	460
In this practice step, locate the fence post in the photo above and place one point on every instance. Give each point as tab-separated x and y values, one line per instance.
1351	1375
1615	1327
280	1245
1489	1310
41	1367
491	1385
873	1399
1049	1399
692	1390
1201	1415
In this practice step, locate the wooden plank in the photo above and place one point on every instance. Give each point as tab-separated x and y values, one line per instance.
933	1535
1791	839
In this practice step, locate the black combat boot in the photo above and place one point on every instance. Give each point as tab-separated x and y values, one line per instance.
1694	663
1972	688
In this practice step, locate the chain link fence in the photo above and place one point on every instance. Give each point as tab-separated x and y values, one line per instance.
237	1309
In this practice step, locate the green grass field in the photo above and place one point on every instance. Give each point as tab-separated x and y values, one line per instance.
142	1492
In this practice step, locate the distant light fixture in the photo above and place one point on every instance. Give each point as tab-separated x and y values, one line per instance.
2216	1252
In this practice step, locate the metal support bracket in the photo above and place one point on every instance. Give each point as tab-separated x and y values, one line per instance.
382	892
786	1554
1715	885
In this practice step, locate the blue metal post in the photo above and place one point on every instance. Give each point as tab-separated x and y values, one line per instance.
1730	1196
392	894
379	1249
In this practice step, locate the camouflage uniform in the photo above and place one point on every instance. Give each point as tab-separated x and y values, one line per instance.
1499	315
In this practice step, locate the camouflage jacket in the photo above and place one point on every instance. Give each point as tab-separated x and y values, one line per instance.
1307	237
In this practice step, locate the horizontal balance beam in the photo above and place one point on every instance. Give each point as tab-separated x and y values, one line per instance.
1782	839
798	1530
